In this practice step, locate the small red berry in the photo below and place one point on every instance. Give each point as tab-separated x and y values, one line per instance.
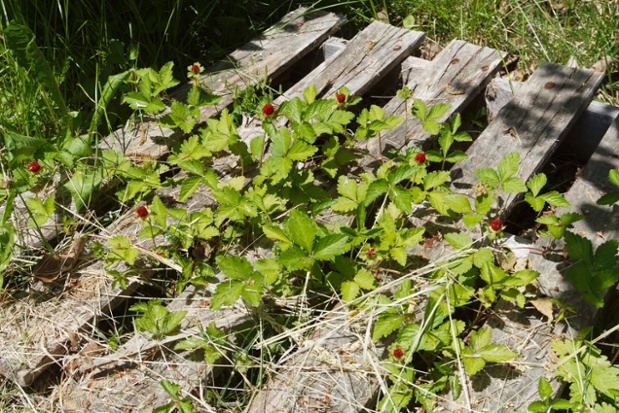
340	97
398	353
142	211
268	109
34	166
371	253
420	157
195	69
496	224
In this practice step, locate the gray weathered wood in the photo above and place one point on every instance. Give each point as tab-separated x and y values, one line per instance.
147	362
35	332
533	123
513	386
270	55
455	76
581	140
310	378
367	58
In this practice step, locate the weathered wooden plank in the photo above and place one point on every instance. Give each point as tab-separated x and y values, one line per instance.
593	123
36	332
533	123
296	35
316	375
129	378
512	387
280	47
368	57
455	76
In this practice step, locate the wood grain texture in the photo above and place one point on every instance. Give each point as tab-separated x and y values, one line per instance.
129	378
367	58
297	34
37	332
513	386
540	114
455	76
319	381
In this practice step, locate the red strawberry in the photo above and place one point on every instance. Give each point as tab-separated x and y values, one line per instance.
420	157
34	166
268	109
496	224
142	211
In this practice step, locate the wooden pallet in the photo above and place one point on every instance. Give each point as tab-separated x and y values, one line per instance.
336	368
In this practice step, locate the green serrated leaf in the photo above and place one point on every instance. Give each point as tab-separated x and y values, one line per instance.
536	203
459	203
402	199
172	321
309	94
544	389
480	339
295	258
438	110
365	279
513	185
170	388
226	292
487	176
386	325
431	126
235	267
399	255
459	240
536	183
328	247
579	248
496	353
350	290
609	199
555	199
301	229
375	190
419	109
435	179
188	187
508	166
473	363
